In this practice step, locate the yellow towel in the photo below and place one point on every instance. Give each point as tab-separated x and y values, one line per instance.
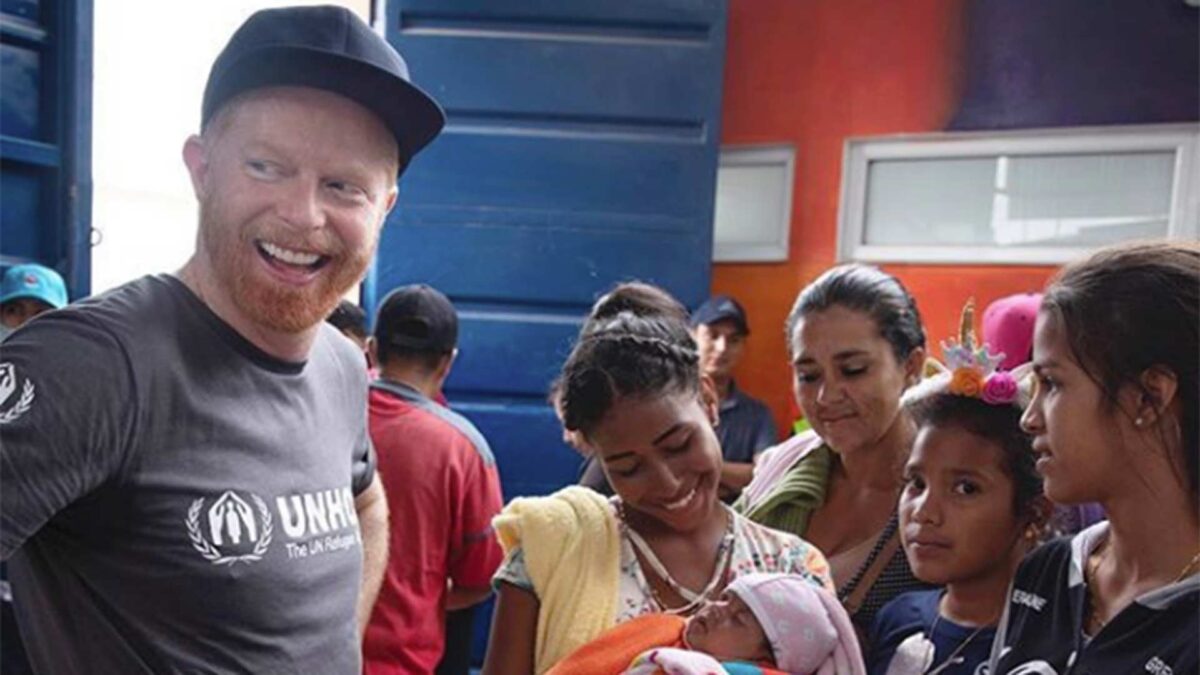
571	545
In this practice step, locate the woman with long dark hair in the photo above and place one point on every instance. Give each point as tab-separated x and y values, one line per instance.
1114	421
856	344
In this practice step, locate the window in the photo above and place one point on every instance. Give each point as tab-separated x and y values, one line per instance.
1031	197
753	211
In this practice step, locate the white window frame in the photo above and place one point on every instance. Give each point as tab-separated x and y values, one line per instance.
778	156
1181	139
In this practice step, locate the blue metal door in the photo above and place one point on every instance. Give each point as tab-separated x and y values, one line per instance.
580	150
45	136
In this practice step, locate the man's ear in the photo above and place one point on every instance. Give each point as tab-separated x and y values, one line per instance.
195	158
444	366
390	200
373	350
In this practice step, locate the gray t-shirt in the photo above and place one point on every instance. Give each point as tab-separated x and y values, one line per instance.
174	499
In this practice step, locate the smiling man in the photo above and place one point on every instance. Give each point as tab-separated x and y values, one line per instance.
189	482
27	291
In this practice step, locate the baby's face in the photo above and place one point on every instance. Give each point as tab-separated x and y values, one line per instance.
727	630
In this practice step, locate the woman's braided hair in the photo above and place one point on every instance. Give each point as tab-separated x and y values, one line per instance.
626	355
638	297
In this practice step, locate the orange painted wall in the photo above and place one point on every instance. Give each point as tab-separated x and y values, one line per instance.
813	73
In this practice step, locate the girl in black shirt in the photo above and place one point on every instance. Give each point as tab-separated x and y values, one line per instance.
1114	421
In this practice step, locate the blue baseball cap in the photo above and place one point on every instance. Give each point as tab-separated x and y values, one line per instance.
33	281
721	308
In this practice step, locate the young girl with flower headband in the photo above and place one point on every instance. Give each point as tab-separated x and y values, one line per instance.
970	509
1115	421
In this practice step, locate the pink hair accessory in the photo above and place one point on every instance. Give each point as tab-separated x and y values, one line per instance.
973	371
1008	326
1000	388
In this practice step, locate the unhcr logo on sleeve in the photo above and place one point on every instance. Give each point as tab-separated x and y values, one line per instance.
240	527
13	406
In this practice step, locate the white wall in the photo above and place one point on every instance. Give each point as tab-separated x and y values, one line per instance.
151	61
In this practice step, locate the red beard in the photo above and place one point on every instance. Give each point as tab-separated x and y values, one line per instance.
275	305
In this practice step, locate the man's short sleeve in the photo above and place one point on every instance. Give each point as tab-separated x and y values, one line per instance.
67	409
476	556
514	572
364	463
351	374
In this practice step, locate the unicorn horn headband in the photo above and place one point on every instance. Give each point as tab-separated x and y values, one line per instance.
971	370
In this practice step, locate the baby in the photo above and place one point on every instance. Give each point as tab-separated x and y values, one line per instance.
762	623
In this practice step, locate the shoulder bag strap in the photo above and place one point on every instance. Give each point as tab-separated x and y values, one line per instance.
854	601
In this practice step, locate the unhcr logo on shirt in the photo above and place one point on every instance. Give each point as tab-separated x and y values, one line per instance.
236	532
239	527
1157	666
317	512
321	517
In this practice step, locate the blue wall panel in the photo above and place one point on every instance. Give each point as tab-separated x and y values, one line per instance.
45	136
535	264
580	150
20	193
570	171
20	107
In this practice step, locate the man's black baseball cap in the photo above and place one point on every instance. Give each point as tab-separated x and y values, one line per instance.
419	318
327	48
721	308
348	318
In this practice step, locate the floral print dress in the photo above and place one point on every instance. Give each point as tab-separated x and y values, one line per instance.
756	548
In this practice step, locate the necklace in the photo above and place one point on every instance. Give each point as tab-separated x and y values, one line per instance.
954	657
693	599
1095	619
1187	568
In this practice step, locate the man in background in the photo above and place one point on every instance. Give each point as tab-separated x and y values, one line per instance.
442	485
27	291
351	320
746	427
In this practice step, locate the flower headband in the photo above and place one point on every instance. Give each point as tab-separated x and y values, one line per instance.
970	370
